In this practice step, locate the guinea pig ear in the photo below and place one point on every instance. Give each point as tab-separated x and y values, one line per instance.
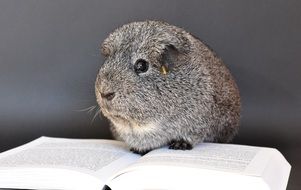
168	57
173	47
178	42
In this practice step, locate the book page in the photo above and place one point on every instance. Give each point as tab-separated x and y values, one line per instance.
199	168
89	156
221	157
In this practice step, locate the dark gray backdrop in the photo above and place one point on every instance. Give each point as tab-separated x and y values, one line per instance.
49	57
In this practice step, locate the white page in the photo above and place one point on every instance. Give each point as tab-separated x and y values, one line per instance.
221	157
172	178
206	166
98	158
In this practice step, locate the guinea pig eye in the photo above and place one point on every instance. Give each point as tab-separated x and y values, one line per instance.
141	66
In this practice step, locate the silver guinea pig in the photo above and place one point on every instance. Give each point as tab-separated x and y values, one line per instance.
160	85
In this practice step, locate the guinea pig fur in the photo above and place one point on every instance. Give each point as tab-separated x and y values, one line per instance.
160	85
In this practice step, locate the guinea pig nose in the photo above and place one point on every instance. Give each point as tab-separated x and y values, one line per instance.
108	95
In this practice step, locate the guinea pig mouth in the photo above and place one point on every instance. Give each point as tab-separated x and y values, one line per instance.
117	118
112	114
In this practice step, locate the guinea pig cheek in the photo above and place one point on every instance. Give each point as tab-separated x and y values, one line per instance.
105	108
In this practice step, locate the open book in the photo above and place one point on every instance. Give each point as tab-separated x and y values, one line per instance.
71	164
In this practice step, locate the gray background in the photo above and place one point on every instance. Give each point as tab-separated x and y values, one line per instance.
49	57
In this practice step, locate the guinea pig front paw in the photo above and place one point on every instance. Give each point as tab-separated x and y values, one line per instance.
141	152
180	145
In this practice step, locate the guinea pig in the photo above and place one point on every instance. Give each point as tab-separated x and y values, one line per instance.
160	85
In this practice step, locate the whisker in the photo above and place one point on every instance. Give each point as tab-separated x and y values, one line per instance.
89	109
95	115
